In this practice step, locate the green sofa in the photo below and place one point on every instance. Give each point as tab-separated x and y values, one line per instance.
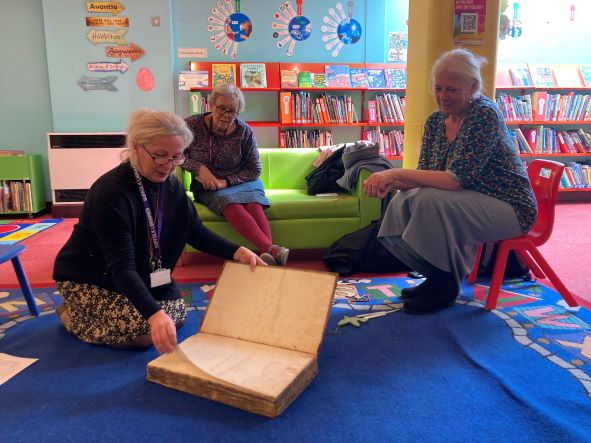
298	220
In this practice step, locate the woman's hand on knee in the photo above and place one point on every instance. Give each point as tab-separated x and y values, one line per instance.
163	332
377	184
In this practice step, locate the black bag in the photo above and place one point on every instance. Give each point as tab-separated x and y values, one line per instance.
361	251
324	177
516	267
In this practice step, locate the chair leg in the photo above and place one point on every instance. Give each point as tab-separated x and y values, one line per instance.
560	287
533	266
25	287
497	277
474	274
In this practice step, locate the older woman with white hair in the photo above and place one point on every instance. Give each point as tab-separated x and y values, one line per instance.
470	187
225	165
114	272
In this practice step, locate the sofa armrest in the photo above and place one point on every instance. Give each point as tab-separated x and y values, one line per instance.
370	208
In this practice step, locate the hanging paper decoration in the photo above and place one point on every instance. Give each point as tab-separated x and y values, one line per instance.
228	27
341	28
572	12
291	27
514	29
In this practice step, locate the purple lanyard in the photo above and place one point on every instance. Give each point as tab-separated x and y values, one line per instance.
155	258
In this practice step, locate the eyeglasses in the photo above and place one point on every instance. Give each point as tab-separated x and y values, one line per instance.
221	110
164	160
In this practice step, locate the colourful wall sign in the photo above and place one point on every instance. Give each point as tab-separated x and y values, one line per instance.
107	36
132	51
113	22
114	7
120	66
97	83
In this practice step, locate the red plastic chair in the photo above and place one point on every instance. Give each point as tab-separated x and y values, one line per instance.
544	176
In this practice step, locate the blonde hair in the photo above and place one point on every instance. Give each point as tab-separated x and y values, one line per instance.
461	63
227	91
146	124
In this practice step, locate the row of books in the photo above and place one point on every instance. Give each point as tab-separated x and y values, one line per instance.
576	175
545	76
387	108
16	196
543	106
543	140
301	138
391	142
341	76
255	75
302	107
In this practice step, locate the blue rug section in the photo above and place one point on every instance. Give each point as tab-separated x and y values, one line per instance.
518	373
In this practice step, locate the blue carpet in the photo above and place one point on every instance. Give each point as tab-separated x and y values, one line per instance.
517	374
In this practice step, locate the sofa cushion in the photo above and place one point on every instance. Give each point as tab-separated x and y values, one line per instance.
297	204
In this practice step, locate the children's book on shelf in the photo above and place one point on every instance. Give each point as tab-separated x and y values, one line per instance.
289	78
585	72
337	76
193	79
539	101
542	76
520	75
376	78
286	107
253	75
257	347
319	80
567	76
223	73
304	79
358	77
395	78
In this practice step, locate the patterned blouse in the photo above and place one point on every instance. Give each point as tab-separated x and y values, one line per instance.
482	157
234	156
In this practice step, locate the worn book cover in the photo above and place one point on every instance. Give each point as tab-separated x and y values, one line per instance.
258	343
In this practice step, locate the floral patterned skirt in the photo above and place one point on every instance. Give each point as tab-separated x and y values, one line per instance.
104	317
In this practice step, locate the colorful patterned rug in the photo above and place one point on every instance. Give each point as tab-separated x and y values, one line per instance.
521	372
13	231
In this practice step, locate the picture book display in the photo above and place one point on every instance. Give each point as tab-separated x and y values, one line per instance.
585	72
395	78
223	73
253	75
337	76
289	78
542	76
376	78
520	75
358	77
258	342
304	79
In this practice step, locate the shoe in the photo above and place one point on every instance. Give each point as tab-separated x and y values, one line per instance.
437	292
64	316
425	303
268	258
413	291
280	254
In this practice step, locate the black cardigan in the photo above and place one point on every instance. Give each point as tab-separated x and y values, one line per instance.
109	246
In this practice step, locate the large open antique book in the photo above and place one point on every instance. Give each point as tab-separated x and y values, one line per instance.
258	342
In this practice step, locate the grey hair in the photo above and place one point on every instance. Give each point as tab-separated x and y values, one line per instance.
146	124
461	63
227	91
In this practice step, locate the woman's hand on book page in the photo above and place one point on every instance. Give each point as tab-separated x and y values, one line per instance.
163	332
246	256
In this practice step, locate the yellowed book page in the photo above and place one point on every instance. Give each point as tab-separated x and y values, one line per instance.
262	369
277	306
